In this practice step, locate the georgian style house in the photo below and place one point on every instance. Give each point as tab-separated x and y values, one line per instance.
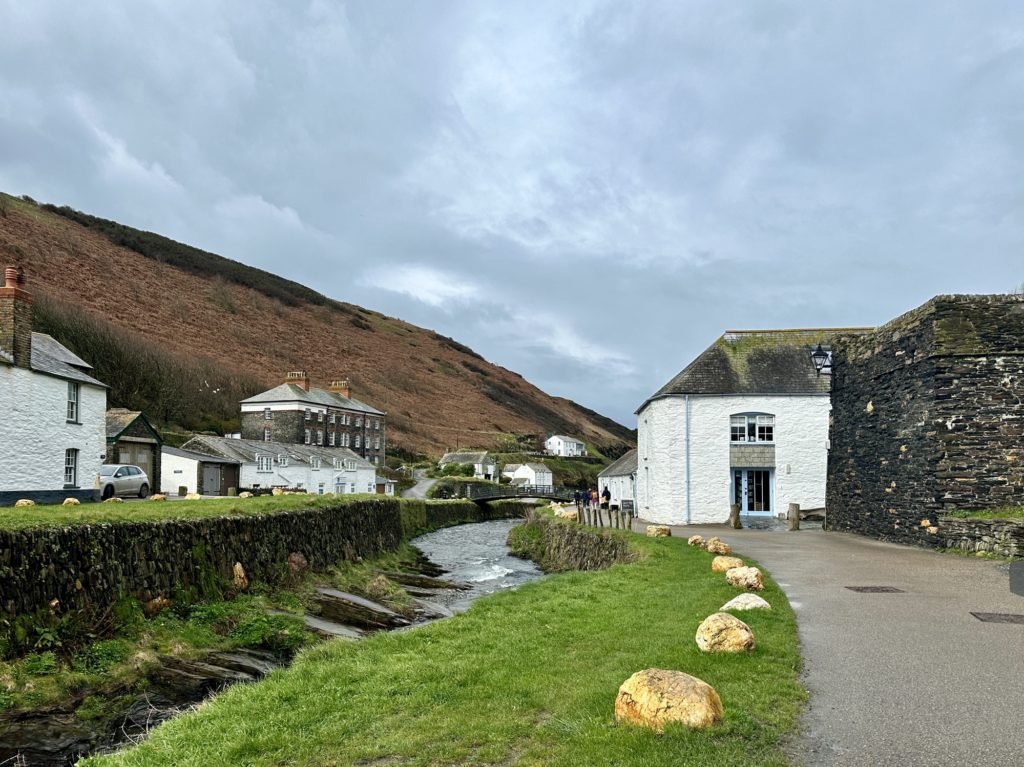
52	435
746	422
567	447
294	413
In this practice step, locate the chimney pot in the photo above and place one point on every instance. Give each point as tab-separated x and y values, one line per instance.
299	378
16	317
341	387
11	277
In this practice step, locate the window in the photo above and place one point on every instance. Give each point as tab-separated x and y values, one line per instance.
320	488
752	427
71	467
308	436
282	460
330	438
266	434
376	443
72	402
314	463
264	464
268	414
350	465
375	460
320	416
357	440
319	436
309	415
331	417
376	424
359	422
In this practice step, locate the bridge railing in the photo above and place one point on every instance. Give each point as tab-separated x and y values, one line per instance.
483	492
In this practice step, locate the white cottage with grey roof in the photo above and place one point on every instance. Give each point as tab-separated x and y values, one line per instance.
53	431
620	479
746	422
484	466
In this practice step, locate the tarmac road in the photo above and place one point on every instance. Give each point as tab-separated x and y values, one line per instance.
912	678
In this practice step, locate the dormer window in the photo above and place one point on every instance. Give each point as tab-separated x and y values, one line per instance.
282	460
752	427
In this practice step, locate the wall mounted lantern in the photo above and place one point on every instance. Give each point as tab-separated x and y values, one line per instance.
820	358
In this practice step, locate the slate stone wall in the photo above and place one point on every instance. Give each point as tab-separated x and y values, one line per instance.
93	566
1004	537
928	417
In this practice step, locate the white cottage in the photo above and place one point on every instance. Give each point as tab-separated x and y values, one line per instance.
620	480
532	474
484	467
280	464
567	447
746	422
53	430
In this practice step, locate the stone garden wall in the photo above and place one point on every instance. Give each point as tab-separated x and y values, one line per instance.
1004	537
93	566
928	418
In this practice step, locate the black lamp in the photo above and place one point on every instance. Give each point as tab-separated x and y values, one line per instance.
820	358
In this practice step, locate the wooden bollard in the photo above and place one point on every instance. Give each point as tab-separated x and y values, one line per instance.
793	515
734	517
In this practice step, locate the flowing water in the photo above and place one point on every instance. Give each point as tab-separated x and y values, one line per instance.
473	554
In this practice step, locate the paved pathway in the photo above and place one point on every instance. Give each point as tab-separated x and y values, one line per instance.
909	679
419	490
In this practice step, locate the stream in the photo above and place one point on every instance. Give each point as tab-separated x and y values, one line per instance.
474	556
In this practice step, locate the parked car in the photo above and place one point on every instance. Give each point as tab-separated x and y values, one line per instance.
123	479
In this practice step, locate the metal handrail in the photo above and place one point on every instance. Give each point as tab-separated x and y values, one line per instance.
481	492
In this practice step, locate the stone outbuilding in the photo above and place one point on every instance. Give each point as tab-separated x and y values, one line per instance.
132	439
928	418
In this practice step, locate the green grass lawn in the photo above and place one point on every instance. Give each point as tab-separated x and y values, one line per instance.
526	677
12	518
1008	512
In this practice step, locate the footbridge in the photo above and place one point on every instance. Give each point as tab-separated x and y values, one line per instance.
482	493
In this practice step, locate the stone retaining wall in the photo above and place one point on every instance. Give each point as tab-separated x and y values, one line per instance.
563	546
93	566
1004	537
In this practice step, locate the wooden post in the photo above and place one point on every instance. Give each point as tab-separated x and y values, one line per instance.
734	517
794	516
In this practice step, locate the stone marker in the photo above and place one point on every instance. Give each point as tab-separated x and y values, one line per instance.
746	601
696	540
793	516
24	502
725	564
734	517
71	502
655	697
723	632
717	546
659	531
749	578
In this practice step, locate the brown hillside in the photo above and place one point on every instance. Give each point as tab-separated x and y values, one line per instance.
436	392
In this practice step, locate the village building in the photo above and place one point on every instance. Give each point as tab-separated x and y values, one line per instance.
928	418
196	472
484	467
530	474
132	439
620	480
266	465
52	434
745	423
567	447
298	414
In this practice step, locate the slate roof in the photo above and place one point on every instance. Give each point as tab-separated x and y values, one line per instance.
246	450
479	456
204	457
567	439
54	359
623	466
289	392
756	362
538	467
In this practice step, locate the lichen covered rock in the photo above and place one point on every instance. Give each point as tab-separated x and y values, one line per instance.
696	540
746	601
717	546
158	497
748	578
193	497
245	494
723	632
71	502
659	531
655	697
725	564
112	499
238	577
24	502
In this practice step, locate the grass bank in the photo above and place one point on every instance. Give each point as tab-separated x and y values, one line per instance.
526	677
1007	512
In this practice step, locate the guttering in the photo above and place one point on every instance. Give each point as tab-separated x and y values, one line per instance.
687	442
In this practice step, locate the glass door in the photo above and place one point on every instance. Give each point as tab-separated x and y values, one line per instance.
752	490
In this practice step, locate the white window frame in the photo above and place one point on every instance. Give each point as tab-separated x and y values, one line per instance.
751	427
71	467
319	416
268	414
330	438
267	434
264	464
309	414
358	441
314	463
74	390
282	460
319	436
309	436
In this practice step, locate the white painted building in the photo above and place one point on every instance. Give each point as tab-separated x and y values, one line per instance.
53	430
276	464
746	422
532	474
567	447
620	480
484	467
196	472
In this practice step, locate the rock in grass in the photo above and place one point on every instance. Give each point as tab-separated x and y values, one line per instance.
158	497
277	491
748	578
717	546
696	540
725	564
245	494
746	601
71	502
193	497
111	499
24	502
659	531
656	697
723	632
239	578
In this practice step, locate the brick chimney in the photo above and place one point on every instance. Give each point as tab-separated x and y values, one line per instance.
16	317
341	387
299	378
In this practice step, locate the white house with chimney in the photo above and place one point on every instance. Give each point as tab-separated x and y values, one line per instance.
746	422
567	447
534	474
53	433
484	466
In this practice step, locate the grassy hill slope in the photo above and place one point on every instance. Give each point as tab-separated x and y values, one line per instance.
227	330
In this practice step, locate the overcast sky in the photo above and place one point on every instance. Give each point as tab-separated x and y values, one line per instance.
585	192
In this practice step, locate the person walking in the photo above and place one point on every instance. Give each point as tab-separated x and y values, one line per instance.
606	498
578	497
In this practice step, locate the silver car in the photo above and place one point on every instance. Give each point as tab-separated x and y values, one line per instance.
123	479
